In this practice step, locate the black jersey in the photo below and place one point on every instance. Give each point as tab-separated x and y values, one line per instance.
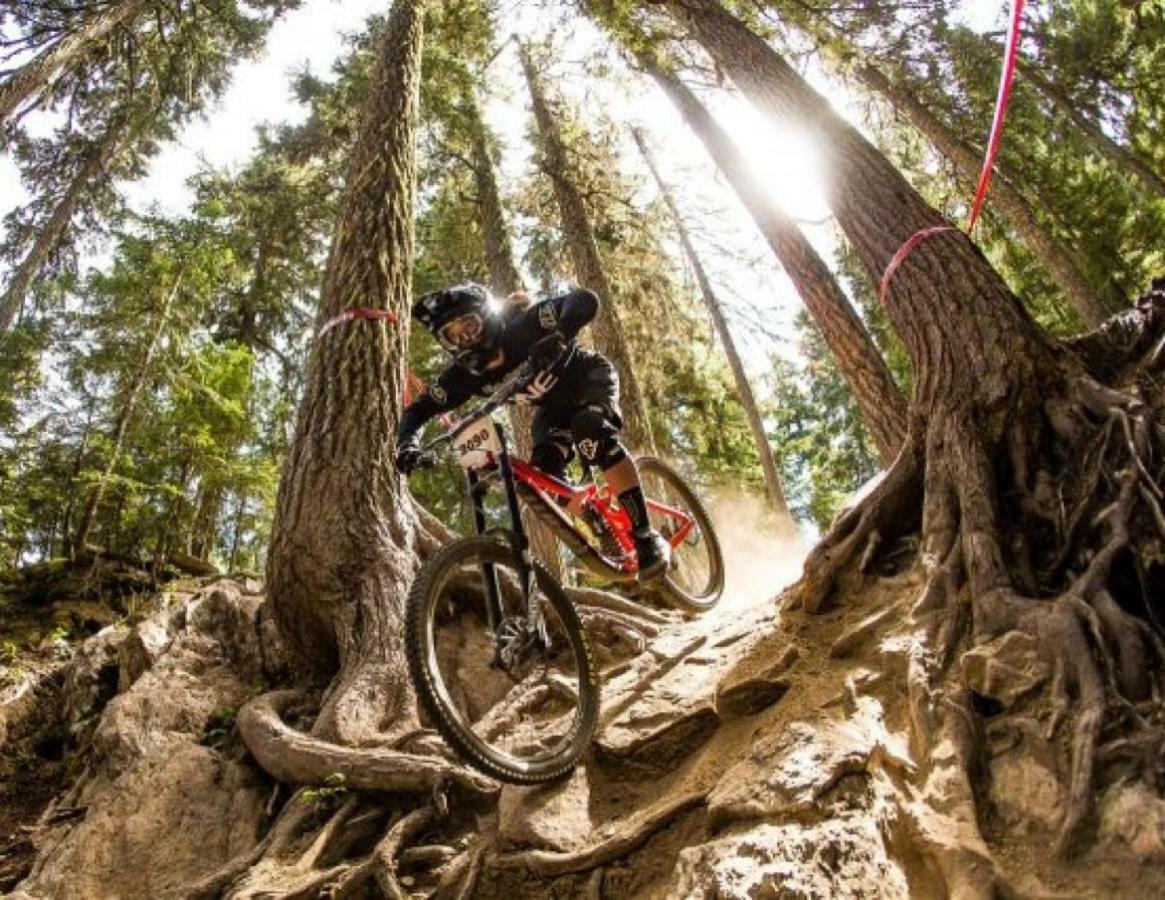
566	314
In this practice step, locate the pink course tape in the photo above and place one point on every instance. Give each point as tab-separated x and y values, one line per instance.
1003	97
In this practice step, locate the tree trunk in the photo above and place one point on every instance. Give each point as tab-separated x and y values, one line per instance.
35	76
882	405
78	462
1122	157
743	388
85	526
499	252
169	536
588	267
237	533
343	543
504	280
54	229
1030	477
1092	307
204	530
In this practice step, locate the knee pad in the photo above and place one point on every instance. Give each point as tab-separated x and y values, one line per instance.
596	437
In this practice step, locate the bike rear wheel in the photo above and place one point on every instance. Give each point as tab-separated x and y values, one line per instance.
695	579
522	715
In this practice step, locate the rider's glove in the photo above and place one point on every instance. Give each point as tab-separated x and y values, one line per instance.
547	351
410	457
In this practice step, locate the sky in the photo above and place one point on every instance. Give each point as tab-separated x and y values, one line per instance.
312	37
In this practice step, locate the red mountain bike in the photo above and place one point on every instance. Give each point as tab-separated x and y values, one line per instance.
496	649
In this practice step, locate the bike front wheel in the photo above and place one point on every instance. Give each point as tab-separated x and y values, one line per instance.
519	700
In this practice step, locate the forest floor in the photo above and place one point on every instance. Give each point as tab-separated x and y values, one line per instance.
755	752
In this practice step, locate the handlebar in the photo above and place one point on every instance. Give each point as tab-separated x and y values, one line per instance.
512	383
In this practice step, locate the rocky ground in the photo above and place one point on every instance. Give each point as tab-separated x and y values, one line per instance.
756	752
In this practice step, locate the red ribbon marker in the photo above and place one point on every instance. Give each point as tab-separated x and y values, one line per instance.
904	251
1002	98
350	315
413	384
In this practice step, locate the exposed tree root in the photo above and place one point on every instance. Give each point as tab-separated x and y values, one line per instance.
291	819
631	835
593	598
297	758
460	878
1036	529
386	852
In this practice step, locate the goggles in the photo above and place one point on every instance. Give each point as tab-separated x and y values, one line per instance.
462	333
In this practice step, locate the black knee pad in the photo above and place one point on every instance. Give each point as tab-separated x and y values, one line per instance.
596	437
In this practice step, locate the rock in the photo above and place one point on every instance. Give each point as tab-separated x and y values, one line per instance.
205	670
749	696
1004	669
1132	816
229	617
550	817
853	639
160	809
91	677
1025	791
145	643
788	771
168	820
671	720
28	708
251	587
838	858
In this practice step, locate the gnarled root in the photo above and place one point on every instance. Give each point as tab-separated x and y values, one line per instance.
297	758
1040	520
631	835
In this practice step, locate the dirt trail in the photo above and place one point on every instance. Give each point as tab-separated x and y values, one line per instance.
762	752
757	751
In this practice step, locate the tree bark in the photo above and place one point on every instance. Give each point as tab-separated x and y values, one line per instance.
882	405
580	238
50	235
945	280
343	543
743	389
1093	307
121	425
504	280
1030	477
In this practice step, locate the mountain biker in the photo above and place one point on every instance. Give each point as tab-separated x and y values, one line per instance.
575	391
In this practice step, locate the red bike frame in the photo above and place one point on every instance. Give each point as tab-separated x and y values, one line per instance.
589	496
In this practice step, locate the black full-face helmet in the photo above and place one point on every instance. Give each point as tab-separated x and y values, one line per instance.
464	321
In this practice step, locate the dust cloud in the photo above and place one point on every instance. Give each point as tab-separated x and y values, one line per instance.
759	560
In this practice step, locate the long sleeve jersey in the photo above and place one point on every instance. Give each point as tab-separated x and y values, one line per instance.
566	314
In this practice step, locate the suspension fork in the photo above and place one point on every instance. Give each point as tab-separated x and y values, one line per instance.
493	602
519	540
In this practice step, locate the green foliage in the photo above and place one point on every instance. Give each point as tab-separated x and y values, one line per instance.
195	467
219	725
327	795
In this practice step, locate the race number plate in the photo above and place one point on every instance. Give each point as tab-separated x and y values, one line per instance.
475	442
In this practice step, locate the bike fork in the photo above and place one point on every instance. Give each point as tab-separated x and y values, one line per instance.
493	601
